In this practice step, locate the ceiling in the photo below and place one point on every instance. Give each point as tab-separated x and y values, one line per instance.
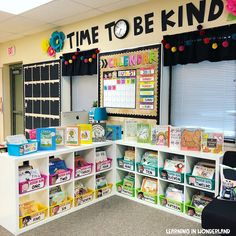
54	14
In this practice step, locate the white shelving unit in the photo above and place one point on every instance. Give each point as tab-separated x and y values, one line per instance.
9	186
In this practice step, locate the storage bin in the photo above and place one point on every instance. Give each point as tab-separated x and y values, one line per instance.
60	177
146	196
171	204
32	185
103	165
128	165
200	182
84	170
171	175
193	211
84	198
147	169
124	189
104	191
65	206
35	217
22	149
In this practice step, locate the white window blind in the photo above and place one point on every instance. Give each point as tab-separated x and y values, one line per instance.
204	95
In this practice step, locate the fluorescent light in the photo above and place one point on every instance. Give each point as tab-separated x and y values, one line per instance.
17	7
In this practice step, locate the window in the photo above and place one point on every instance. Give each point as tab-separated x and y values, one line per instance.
204	95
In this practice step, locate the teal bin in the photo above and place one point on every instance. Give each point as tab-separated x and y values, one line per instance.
22	149
171	175
147	169
127	165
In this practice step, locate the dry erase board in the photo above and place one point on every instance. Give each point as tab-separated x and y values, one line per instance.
129	82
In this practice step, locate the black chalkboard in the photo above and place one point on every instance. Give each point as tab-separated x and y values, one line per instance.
27	75
28	122
54	72
28	90
45	122
54	122
55	109
44	72
36	74
54	89
45	90
29	106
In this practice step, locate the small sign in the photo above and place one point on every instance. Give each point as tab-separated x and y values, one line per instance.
11	51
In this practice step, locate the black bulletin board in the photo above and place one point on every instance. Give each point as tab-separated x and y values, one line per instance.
42	99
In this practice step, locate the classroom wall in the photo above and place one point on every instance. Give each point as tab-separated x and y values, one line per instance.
28	49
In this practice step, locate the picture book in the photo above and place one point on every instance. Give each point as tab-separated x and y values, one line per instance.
204	170
72	135
101	182
162	135
191	139
154	134
149	158
130	130
99	132
60	136
149	186
46	138
113	132
28	208
212	142
143	133
56	166
174	165
200	201
85	133
175	137
175	193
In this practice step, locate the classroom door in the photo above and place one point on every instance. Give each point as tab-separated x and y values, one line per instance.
17	100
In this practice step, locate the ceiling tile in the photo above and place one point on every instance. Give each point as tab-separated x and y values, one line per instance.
4	16
95	4
5	36
55	11
38	29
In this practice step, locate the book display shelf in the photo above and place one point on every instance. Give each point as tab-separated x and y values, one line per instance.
124	178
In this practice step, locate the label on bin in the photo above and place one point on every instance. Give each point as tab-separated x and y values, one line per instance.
86	170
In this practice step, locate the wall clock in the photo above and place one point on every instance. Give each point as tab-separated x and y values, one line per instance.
121	28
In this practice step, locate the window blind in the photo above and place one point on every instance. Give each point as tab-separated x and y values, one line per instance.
204	95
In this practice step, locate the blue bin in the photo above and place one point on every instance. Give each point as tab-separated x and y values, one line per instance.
22	149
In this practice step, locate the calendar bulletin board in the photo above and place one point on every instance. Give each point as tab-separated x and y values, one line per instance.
129	82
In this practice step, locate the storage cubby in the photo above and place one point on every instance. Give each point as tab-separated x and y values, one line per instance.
150	184
103	158
124	163
175	173
146	168
83	163
200	181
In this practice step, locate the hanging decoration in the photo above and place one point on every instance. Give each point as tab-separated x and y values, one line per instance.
213	44
54	44
231	8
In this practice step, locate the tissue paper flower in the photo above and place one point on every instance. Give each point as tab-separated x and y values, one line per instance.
57	40
231	8
45	45
51	52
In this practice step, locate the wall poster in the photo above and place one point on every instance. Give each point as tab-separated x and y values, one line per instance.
129	82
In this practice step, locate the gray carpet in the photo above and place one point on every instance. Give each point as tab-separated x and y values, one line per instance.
114	216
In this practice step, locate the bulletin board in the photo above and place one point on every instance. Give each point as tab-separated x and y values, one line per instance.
42	94
129	82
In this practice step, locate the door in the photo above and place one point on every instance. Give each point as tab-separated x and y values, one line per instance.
17	100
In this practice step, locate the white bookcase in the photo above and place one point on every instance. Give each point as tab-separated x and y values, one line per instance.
9	183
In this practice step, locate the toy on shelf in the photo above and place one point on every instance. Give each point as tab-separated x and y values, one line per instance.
173	198
148	190
103	188
31	212
58	171
196	205
128	161
143	133
82	194
212	142
173	169
127	185
60	136
191	139
30	178
72	136
18	145
46	138
202	175
82	167
102	161
148	164
113	132
85	133
59	201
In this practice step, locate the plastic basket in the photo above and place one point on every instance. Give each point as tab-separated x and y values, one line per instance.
171	175
65	206
146	196
103	165
200	182
32	185
193	211
61	177
128	165
84	198
171	204
84	170
22	149
103	191
35	217
147	169
124	189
